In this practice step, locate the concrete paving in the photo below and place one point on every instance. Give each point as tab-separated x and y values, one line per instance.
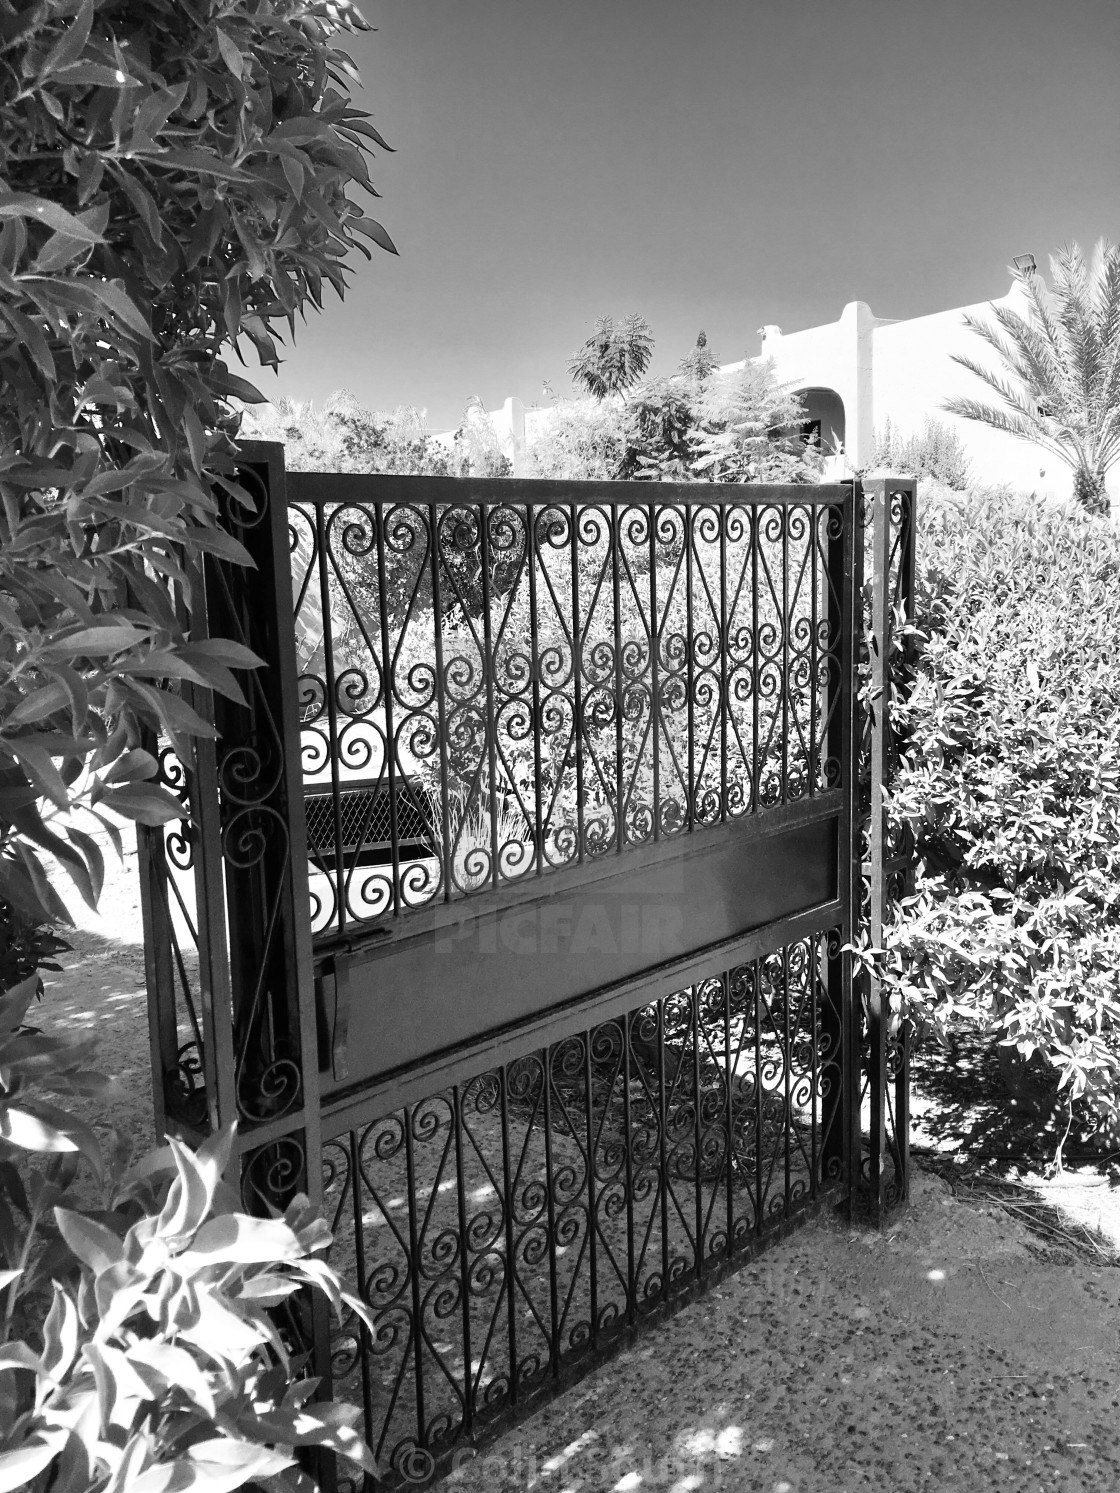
939	1354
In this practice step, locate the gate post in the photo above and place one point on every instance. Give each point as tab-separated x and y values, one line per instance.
843	557
252	1053
892	505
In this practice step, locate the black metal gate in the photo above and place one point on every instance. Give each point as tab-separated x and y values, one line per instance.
522	888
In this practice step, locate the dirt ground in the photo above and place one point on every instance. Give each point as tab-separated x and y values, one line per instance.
973	1343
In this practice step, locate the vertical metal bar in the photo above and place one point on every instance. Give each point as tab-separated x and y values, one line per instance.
550	1188
815	973
341	887
697	1133
441	705
877	1013
215	981
755	532
756	973
616	596
592	1225
690	659
511	1245
378	515
846	562
730	1065
627	1127
577	684
787	1056
360	1269
816	582
663	1146
532	550
787	624
489	664
464	1261
159	965
415	1262
654	678
724	645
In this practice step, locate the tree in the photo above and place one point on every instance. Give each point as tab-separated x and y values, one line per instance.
699	362
1061	388
613	358
173	183
748	429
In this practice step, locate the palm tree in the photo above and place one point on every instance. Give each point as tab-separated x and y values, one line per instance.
1062	360
613	358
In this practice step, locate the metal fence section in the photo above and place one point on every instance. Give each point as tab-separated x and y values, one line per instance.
514	1228
542	683
224	891
509	915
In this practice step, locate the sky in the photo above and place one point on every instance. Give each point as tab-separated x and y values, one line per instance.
711	164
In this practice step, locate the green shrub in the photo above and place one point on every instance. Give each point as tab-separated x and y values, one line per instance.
158	1362
936	453
173	178
26	946
344	436
138	1337
582	442
1011	786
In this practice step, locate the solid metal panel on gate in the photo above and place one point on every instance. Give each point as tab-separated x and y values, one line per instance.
451	974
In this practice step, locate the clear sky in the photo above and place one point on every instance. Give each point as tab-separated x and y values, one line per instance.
712	164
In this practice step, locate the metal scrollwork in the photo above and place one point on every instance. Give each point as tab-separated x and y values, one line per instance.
512	1226
491	691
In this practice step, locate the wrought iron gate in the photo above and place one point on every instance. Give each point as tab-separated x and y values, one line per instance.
522	886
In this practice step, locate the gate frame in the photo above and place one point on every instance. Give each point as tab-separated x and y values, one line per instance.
244	837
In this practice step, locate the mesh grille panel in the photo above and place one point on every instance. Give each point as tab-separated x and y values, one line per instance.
364	815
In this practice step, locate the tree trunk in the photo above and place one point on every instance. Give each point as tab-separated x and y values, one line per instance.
1089	489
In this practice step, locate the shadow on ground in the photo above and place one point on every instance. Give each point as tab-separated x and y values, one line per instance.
963	1101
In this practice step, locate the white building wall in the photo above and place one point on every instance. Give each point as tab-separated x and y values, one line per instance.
837	356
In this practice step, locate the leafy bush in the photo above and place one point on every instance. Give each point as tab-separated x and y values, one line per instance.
25	947
1011	787
582	442
936	453
344	436
173	179
158	1363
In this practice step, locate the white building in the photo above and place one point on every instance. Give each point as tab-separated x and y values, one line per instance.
859	371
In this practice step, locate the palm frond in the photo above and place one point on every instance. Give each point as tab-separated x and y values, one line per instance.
1061	361
1075	312
1021	428
1025	408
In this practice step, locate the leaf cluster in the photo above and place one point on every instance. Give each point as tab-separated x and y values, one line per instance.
935	453
161	1364
614	357
173	184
